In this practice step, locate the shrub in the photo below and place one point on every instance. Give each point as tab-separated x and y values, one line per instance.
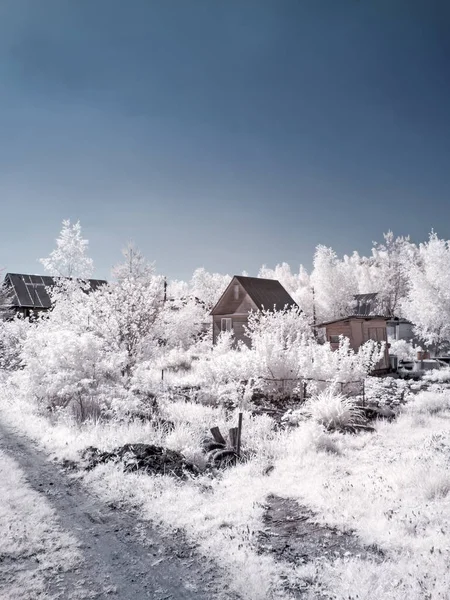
333	411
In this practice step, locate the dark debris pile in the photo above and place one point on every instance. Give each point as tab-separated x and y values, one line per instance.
144	458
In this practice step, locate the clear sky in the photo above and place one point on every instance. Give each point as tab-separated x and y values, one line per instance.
222	133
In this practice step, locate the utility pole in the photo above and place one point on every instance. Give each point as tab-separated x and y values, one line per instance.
314	311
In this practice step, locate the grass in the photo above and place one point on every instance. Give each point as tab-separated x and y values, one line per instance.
389	488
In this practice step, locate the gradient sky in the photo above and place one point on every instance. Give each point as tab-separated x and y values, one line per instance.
222	133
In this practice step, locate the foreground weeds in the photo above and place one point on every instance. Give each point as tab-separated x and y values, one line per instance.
388	489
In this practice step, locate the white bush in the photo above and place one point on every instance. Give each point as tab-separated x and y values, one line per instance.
12	337
333	411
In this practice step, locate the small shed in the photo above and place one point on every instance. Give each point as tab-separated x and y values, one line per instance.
29	293
243	295
358	329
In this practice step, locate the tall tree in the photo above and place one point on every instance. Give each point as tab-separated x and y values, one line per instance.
389	267
69	258
125	311
427	303
208	287
334	284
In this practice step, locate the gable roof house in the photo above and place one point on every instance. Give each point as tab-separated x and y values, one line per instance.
243	295
29	293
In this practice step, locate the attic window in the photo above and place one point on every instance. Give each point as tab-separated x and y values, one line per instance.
236	292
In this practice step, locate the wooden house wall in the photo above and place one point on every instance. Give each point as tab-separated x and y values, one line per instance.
340	328
237	325
360	331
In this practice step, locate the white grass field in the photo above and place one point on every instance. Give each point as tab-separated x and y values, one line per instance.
390	489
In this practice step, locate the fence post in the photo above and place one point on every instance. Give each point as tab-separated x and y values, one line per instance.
239	433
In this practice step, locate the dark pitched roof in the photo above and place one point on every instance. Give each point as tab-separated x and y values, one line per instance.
265	293
30	291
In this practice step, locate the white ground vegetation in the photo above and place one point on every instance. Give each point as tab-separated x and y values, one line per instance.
390	489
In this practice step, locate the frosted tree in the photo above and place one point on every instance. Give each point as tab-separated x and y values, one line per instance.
334	284
427	303
69	258
208	287
389	272
124	312
283	274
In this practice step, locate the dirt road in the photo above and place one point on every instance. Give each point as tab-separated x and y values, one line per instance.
122	558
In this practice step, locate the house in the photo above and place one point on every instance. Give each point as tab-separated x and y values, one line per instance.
242	296
29	293
359	329
397	327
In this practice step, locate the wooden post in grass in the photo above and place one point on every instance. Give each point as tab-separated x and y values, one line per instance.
218	437
233	435
239	433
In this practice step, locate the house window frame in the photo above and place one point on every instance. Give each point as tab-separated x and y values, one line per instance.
236	291
334	338
226	324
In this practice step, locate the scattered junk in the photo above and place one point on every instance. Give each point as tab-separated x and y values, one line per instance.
220	453
143	458
416	369
157	460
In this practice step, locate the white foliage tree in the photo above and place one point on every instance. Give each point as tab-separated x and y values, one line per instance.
208	287
389	272
427	303
66	364
334	284
69	258
276	337
124	312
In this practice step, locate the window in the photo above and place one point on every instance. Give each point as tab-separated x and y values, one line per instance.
225	324
236	292
334	339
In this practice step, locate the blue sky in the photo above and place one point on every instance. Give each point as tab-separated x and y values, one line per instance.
225	133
